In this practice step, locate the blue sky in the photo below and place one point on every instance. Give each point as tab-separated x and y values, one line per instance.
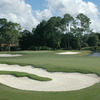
97	2
41	4
37	4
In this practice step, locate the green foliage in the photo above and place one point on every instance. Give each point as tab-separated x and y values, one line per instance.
94	48
9	33
55	33
45	48
82	27
93	39
40	34
84	21
39	48
88	48
26	40
33	48
67	23
1	40
48	33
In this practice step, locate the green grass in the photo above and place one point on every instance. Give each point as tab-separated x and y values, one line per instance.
53	62
23	74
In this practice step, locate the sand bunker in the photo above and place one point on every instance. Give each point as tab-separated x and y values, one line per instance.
60	81
70	53
10	55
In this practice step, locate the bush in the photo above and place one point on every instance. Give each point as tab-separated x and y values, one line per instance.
15	49
39	48
33	48
94	48
88	48
45	48
85	45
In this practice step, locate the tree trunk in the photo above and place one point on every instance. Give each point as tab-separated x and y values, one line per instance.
9	48
65	44
68	42
80	42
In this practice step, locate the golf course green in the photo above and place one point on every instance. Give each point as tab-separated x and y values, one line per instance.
53	62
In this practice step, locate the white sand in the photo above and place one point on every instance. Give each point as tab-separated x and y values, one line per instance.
60	81
10	55
68	53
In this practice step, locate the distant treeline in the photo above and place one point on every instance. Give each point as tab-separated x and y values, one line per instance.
57	33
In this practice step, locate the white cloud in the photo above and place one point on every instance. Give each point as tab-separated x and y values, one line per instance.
18	11
45	14
74	7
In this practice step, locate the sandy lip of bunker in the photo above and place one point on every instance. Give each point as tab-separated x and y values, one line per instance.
68	53
10	55
60	81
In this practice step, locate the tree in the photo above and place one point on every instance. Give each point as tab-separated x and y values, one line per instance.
10	32
98	34
40	34
93	40
26	40
3	21
53	32
82	27
48	33
68	22
85	38
1	41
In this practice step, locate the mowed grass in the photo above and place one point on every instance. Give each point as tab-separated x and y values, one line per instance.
23	74
51	61
54	62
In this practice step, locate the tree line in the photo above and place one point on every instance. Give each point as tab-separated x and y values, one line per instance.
58	32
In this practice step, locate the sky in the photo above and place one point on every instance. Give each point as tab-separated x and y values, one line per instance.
29	13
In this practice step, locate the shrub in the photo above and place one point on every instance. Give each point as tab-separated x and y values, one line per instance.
33	48
94	48
88	48
39	48
45	48
85	45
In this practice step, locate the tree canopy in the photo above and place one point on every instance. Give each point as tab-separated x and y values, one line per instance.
65	32
9	33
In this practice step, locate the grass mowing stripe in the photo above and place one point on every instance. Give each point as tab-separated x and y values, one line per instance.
23	74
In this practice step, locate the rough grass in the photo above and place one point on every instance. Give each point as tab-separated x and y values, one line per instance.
23	74
53	62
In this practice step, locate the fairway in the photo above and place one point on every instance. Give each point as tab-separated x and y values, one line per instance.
53	62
